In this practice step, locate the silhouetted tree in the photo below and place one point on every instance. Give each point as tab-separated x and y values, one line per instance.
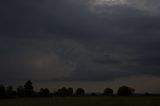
44	92
64	92
9	92
125	91
20	91
147	94
2	91
108	92
28	88
70	92
41	92
93	94
80	92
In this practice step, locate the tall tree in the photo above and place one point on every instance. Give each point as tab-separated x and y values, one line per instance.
44	92
64	92
2	91
108	92
70	92
28	88
10	93
80	92
20	91
125	91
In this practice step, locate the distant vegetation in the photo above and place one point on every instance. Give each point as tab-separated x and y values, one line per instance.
27	90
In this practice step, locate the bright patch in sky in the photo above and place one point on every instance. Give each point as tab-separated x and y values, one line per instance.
144	5
97	6
109	2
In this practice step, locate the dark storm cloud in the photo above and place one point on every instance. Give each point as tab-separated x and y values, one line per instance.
73	18
78	39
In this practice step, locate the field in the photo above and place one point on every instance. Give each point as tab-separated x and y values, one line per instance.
83	101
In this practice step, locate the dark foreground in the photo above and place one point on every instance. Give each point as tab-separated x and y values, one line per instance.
83	101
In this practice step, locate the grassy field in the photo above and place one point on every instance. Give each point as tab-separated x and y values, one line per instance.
83	101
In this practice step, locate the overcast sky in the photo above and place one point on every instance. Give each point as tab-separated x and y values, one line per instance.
79	40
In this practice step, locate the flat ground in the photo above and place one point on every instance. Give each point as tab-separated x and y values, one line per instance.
83	101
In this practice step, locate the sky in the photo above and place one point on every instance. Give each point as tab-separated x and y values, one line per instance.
81	40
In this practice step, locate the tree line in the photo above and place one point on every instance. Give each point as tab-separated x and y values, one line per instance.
27	90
